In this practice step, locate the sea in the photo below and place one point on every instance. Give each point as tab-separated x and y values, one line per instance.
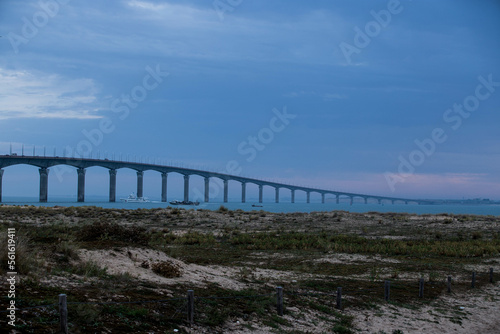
99	201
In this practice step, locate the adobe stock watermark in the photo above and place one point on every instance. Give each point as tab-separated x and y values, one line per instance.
363	37
250	148
223	6
453	117
31	26
122	107
11	276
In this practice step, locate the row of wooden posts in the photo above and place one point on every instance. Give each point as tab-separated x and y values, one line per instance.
63	309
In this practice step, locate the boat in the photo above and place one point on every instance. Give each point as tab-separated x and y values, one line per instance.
257	206
132	198
177	202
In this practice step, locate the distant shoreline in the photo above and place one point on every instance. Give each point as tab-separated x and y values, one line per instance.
489	209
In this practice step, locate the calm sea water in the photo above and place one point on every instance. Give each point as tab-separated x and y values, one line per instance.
268	206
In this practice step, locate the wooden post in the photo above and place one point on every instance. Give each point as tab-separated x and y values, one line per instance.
473	284
448	283
387	290
190	307
279	303
63	314
491	275
421	288
339	298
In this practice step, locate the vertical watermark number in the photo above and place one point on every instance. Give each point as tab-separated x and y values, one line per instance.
11	275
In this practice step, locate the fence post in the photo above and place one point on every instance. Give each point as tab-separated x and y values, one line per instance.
421	288
387	290
339	298
279	301
473	283
190	307
491	275
63	314
448	283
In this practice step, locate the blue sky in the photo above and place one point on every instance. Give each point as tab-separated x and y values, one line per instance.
66	67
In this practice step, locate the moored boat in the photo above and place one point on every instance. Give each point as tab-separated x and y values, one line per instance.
132	198
177	202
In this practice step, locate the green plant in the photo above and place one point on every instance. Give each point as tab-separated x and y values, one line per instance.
166	269
222	209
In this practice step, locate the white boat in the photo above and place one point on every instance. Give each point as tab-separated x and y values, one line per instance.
132	198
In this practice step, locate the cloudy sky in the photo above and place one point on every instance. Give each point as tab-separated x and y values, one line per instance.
381	97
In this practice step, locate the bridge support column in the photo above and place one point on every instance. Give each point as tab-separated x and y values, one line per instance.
186	188
337	199
207	189
392	201
243	192
81	184
112	185
379	201
225	190
352	199
261	190
277	196
293	196
366	200
406	202
308	197
1	176
323	198
140	183
164	177
44	184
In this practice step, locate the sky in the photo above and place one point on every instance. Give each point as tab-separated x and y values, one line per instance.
391	98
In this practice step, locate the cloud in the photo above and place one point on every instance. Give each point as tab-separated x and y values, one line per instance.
25	94
325	96
423	186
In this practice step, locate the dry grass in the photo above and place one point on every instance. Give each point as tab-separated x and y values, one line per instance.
257	250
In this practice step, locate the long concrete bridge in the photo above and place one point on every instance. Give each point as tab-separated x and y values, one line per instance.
44	163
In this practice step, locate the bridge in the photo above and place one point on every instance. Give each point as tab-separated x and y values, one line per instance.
81	164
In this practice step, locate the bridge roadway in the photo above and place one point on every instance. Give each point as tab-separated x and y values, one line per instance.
112	165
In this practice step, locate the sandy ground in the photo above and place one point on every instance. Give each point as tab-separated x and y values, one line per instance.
477	311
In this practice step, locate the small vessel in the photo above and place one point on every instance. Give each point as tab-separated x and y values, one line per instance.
177	202
132	198
257	206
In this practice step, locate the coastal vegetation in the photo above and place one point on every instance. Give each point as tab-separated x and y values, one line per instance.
101	256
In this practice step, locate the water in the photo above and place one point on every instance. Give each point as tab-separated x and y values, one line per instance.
100	201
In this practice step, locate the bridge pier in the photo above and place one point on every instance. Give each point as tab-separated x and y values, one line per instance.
392	202
379	201
1	176
337	198
308	197
81	184
293	196
277	196
186	188
112	185
366	200
323	198
164	177
207	189
352	199
44	184
225	190
140	183
243	192
261	190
